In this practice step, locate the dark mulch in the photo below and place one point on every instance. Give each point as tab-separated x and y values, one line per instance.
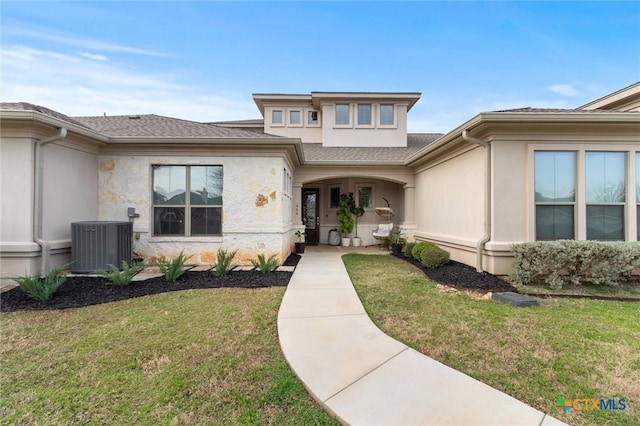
463	277
77	292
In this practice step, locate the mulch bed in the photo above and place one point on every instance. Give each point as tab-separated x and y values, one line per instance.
77	292
463	277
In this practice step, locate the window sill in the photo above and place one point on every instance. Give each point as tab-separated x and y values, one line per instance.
179	239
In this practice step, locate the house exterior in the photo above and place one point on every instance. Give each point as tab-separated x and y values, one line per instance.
500	178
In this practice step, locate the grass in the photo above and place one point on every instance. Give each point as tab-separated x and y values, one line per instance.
188	357
566	348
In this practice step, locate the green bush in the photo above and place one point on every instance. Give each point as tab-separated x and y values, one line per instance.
433	256
558	263
416	251
173	269
42	288
264	264
224	263
121	278
408	248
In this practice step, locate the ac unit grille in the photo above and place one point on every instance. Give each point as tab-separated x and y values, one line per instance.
96	245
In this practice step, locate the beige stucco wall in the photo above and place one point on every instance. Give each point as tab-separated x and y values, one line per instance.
373	136
256	206
449	199
69	193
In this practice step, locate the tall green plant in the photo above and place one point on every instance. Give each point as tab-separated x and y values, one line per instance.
224	262
345	214
42	288
173	269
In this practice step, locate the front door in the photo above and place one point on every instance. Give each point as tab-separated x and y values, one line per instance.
310	215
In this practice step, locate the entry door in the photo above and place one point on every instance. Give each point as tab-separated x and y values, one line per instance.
310	215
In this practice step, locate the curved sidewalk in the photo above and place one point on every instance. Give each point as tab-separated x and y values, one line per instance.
364	377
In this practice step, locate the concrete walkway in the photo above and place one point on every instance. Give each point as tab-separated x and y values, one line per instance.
364	377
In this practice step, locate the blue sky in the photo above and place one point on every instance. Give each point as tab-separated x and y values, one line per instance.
202	60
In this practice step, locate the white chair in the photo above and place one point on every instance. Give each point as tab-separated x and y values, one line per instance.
383	232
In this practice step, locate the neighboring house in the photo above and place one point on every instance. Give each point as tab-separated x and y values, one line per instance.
500	178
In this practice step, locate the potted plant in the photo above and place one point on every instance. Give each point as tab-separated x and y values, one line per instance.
345	218
396	242
300	243
334	237
357	212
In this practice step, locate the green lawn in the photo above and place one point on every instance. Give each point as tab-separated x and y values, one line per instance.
190	357
565	348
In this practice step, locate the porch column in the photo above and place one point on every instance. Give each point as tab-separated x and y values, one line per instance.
296	206
409	206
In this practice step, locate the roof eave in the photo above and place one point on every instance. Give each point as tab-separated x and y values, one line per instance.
30	115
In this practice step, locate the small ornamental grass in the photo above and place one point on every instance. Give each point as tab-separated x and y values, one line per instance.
224	263
264	264
121	278
173	269
42	288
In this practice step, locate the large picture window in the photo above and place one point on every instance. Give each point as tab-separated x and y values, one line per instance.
195	212
555	192
605	195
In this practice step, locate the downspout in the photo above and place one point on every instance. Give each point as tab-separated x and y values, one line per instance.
487	196
45	246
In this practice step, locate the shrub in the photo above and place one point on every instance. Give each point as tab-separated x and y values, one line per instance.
225	262
416	251
173	269
557	263
408	248
42	288
433	256
121	278
264	264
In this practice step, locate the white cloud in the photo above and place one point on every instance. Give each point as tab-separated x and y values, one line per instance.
94	56
79	42
563	89
78	85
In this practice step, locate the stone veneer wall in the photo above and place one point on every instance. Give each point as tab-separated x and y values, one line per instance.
256	206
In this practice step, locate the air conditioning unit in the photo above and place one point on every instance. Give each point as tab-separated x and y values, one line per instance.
95	245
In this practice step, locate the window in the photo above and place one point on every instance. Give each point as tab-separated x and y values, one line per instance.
365	196
294	117
605	195
334	197
312	117
342	115
386	115
364	114
555	189
276	116
177	211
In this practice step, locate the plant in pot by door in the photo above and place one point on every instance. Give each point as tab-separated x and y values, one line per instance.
345	218
357	212
300	244
397	242
334	237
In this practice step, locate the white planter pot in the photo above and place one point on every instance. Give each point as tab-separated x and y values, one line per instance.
356	241
346	242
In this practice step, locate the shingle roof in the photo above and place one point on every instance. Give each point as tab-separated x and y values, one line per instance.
26	106
315	152
560	110
151	125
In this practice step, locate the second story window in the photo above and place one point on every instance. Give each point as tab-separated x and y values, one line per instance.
364	114
276	116
312	118
342	115
386	115
294	117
